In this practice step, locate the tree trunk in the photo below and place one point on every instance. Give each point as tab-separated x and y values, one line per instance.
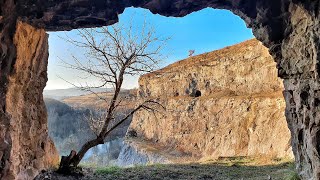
69	163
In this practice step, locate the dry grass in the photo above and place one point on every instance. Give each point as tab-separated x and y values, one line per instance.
223	168
203	58
227	168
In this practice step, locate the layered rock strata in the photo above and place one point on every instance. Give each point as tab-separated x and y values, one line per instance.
223	103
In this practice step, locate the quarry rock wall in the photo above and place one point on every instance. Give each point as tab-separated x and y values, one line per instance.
223	103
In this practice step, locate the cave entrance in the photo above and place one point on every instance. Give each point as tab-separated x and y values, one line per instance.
193	37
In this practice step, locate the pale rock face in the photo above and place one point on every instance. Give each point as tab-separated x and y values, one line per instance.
239	111
243	69
32	149
133	153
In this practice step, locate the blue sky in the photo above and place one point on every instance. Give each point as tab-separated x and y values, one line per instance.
202	31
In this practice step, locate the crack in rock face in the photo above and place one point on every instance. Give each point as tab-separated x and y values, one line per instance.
289	28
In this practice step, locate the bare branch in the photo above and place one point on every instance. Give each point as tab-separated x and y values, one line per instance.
110	53
143	105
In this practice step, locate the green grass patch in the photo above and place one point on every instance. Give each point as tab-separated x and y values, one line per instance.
88	165
113	170
158	166
139	167
292	176
224	169
234	161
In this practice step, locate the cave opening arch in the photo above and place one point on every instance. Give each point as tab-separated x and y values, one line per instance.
212	38
290	29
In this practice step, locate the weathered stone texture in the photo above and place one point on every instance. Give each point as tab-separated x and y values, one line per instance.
31	148
7	58
299	67
243	69
240	111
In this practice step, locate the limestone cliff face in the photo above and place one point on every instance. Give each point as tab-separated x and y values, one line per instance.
223	103
31	148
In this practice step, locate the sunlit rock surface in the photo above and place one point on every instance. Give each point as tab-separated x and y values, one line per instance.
31	148
223	103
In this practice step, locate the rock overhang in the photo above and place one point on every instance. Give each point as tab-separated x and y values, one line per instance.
266	18
61	15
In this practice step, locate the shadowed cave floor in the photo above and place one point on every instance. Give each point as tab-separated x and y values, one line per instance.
231	169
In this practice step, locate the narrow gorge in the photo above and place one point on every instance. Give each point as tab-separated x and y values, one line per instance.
289	28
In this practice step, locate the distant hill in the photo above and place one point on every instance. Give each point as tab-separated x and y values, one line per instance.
60	94
94	101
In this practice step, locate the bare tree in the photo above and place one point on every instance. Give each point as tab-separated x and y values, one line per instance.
110	54
191	52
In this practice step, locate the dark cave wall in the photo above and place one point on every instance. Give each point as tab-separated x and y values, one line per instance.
7	58
299	67
289	28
